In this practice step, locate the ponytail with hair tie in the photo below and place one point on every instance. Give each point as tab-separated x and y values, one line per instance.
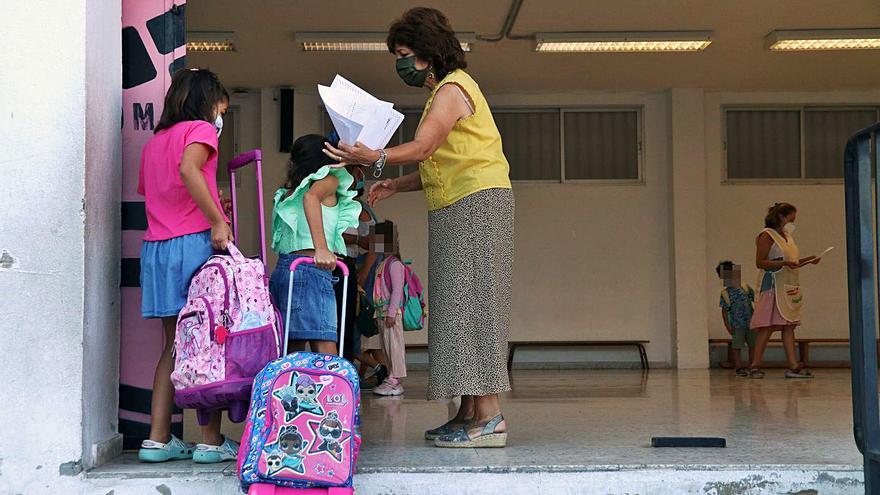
771	221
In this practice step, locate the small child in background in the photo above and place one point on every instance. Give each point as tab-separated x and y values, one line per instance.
388	298
368	348
737	305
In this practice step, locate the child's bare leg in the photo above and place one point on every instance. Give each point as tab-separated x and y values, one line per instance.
323	346
296	346
737	359
761	342
380	356
211	431
367	360
788	344
163	390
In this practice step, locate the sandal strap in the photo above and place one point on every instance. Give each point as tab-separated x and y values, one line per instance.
492	424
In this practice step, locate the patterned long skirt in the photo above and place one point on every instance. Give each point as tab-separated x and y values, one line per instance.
470	273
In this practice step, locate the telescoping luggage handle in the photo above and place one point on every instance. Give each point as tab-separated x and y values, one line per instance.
246	158
311	261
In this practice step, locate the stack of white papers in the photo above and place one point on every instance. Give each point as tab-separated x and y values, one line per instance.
358	115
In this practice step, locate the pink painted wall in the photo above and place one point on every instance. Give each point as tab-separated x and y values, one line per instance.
153	33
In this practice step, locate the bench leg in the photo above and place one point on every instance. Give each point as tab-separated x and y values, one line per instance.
510	350
643	356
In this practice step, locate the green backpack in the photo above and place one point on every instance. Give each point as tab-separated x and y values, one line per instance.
414	310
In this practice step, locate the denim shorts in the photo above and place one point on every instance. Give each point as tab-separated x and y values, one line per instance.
313	303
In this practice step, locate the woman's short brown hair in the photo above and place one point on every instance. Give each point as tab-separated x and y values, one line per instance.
429	35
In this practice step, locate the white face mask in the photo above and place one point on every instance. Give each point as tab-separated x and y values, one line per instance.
218	124
789	228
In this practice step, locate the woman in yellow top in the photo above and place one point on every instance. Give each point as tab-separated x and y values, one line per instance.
465	176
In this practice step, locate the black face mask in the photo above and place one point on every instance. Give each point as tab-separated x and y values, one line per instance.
406	69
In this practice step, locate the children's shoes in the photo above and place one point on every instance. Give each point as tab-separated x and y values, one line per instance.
211	454
175	449
390	387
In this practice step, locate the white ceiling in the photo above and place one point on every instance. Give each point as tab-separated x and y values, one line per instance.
268	55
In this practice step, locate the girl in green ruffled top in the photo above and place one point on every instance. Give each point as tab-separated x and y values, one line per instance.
311	211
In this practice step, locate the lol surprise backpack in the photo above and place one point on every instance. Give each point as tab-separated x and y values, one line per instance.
302	429
301	435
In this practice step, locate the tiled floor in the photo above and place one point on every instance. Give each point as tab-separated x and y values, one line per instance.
584	420
577	418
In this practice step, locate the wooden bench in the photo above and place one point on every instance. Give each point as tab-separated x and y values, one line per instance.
513	344
803	345
638	344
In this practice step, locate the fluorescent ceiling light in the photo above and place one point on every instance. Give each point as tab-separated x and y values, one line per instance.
359	42
633	41
210	41
823	39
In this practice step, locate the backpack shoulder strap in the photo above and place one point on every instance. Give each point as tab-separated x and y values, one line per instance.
725	295
386	273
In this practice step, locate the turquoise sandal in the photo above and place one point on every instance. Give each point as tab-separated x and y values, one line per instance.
488	438
212	454
175	449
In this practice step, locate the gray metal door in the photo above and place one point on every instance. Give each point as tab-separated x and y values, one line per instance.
861	176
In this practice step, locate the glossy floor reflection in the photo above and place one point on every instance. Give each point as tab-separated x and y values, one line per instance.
580	419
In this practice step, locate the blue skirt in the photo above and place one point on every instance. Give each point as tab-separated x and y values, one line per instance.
167	267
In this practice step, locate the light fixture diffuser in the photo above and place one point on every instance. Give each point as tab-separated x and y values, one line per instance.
823	39
616	42
210	41
359	42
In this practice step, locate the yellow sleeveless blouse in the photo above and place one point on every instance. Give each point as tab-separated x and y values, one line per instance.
471	159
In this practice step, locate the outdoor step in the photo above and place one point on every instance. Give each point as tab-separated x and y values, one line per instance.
611	479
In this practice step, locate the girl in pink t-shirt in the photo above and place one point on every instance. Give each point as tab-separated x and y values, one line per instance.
185	223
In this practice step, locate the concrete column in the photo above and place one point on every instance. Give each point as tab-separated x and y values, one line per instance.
59	240
103	237
689	243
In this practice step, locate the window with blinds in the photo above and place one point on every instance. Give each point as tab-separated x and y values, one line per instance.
531	141
825	135
790	143
601	145
555	144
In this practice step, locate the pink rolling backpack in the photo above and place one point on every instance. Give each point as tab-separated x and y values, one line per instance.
229	328
301	435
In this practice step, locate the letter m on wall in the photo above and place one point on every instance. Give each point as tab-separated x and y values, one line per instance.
143	116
